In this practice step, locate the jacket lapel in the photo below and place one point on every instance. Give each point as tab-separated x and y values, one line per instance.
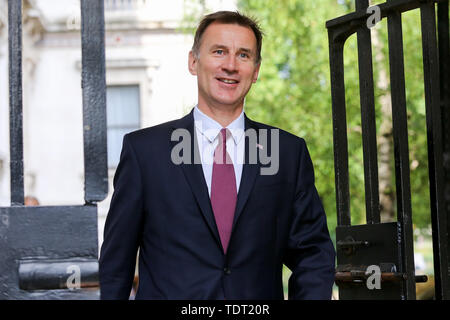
194	175
250	170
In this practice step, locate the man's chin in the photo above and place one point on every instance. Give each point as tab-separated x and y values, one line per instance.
229	102
229	105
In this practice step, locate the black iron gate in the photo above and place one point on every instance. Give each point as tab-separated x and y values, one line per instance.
389	246
49	252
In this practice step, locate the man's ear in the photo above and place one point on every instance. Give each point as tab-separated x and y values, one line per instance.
192	63
256	73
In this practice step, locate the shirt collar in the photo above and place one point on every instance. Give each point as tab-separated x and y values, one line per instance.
210	128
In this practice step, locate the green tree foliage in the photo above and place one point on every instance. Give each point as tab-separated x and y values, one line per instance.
293	92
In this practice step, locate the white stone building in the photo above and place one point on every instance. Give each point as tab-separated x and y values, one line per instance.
147	83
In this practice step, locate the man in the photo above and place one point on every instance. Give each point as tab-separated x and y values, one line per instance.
209	222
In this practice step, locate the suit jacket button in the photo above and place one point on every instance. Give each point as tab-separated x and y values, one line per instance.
227	270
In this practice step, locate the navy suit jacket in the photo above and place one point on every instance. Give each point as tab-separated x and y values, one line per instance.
164	210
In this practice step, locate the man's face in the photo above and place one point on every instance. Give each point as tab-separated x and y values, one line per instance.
225	67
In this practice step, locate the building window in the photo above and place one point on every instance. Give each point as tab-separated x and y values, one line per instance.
123	116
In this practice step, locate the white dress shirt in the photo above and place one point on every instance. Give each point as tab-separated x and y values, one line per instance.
207	131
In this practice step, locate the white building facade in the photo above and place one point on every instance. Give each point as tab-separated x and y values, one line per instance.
147	83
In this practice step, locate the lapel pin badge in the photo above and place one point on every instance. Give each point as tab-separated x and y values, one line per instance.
260	146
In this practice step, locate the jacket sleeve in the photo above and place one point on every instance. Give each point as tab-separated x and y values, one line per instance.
310	253
123	226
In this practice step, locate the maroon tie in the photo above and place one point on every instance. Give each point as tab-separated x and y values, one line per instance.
223	189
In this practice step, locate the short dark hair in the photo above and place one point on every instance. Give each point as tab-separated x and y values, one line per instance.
229	17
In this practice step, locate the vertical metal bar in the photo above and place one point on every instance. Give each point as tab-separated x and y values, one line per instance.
339	129
369	131
15	101
94	100
444	66
435	155
401	152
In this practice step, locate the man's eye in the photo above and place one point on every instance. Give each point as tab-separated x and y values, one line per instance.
244	55
219	51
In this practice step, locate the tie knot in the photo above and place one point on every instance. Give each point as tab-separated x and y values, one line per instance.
224	134
220	154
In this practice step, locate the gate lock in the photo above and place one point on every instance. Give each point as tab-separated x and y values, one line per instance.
55	274
360	274
350	245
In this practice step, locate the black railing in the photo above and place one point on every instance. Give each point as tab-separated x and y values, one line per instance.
436	61
39	246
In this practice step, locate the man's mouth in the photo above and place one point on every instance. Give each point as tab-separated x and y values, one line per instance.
228	81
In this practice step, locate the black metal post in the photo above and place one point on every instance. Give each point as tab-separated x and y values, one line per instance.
401	151
444	67
94	100
15	101
339	130
369	131
435	155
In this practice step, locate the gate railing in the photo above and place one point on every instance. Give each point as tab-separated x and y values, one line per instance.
390	245
42	247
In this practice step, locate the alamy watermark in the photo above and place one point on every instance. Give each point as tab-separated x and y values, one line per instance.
374	277
375	16
74	280
258	141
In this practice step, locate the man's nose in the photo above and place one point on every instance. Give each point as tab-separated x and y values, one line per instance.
230	64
